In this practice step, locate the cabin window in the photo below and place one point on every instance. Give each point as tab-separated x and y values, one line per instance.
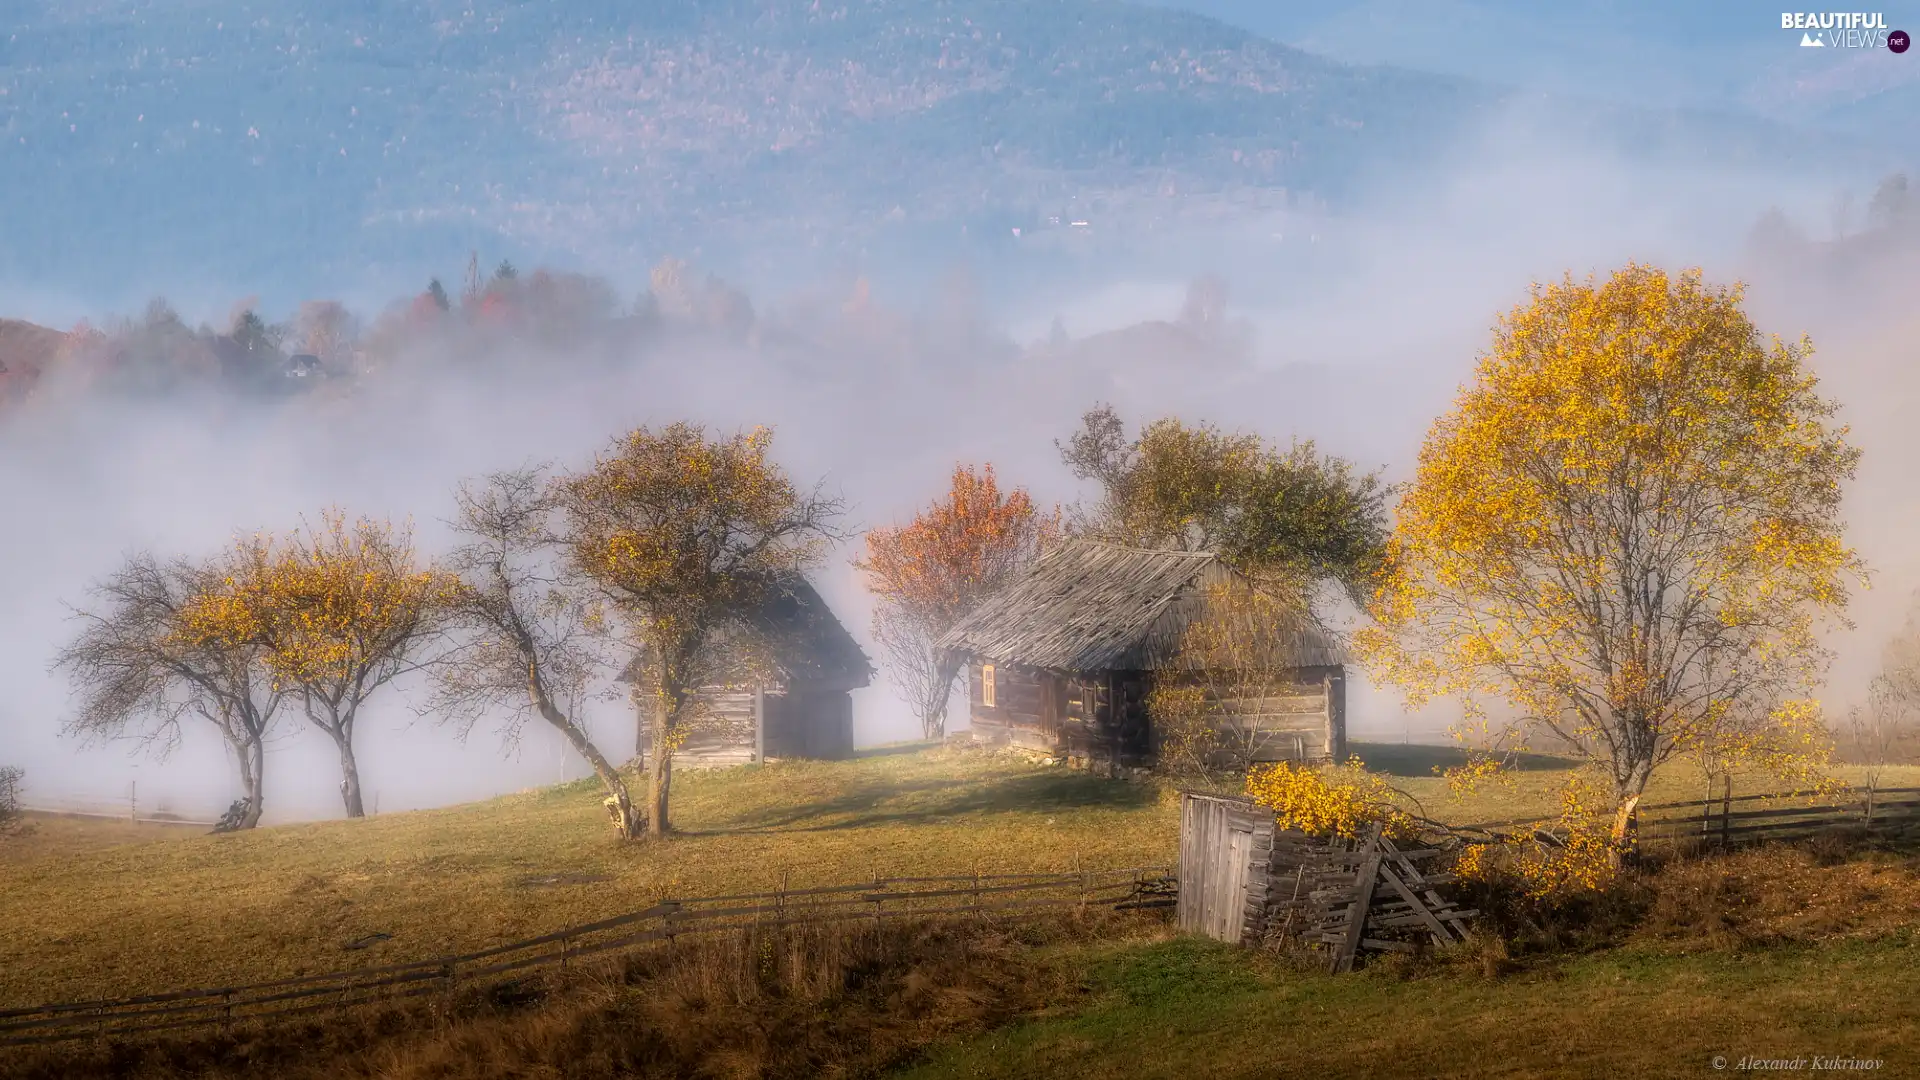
986	686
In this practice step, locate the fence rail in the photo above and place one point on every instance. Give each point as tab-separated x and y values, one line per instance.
1781	817
1139	887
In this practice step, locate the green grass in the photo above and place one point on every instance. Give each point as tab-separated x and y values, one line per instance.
1189	1008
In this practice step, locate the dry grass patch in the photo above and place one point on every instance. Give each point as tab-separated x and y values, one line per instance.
207	910
801	1002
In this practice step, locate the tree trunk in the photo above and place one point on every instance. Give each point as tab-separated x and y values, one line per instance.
619	802
1627	791
255	777
659	770
251	757
933	725
349	776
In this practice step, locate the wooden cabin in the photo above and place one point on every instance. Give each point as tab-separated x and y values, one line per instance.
804	710
1061	662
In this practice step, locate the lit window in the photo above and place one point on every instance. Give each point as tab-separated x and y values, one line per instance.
986	686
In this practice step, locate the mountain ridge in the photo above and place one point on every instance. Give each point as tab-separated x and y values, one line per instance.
268	142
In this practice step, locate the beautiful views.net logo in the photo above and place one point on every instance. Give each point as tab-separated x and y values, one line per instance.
1844	30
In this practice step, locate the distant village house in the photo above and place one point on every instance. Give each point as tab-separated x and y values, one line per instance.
1062	661
804	709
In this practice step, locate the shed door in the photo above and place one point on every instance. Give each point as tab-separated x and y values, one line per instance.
1228	902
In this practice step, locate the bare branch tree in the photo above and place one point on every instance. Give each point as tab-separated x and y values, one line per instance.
530	638
136	673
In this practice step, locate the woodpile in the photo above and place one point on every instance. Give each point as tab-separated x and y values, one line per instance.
1364	894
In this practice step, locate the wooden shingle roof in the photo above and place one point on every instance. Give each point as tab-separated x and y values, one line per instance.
1093	606
808	642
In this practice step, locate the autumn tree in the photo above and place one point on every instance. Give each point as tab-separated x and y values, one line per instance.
1627	530
927	574
530	641
341	611
326	329
687	538
1295	513
139	668
1221	702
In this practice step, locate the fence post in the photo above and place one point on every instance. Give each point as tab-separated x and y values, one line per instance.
1706	811
1726	811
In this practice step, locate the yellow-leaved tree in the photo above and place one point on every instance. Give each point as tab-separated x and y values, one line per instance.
686	538
1628	532
340	610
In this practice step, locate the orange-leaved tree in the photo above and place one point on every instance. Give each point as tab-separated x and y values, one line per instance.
340	610
687	538
1628	531
927	574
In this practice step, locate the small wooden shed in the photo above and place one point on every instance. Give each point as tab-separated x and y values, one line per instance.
1226	848
1061	662
805	710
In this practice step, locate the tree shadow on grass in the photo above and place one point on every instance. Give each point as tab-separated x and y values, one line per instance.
927	802
1412	759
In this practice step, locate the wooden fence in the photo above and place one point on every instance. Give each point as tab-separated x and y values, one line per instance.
663	921
1730	820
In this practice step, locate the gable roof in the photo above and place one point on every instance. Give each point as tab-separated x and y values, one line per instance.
1094	606
814	644
809	643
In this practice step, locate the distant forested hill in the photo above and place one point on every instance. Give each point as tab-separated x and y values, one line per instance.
284	143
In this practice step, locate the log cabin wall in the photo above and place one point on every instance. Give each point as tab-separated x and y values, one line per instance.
1101	718
1017	716
1302	719
723	735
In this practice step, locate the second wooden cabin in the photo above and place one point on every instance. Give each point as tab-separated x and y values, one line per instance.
1062	661
804	710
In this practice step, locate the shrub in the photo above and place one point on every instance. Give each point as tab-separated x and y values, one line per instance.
9	795
1339	801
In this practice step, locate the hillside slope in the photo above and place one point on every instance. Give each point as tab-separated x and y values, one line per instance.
26	350
269	140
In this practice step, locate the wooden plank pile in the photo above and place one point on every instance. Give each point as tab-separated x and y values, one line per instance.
1369	894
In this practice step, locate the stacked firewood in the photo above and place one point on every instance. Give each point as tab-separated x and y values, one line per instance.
1366	894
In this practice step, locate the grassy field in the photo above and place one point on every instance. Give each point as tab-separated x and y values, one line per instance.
1189	1008
105	909
60	835
78	920
1776	953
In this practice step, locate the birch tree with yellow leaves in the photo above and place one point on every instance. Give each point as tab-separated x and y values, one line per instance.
341	610
1628	531
687	537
